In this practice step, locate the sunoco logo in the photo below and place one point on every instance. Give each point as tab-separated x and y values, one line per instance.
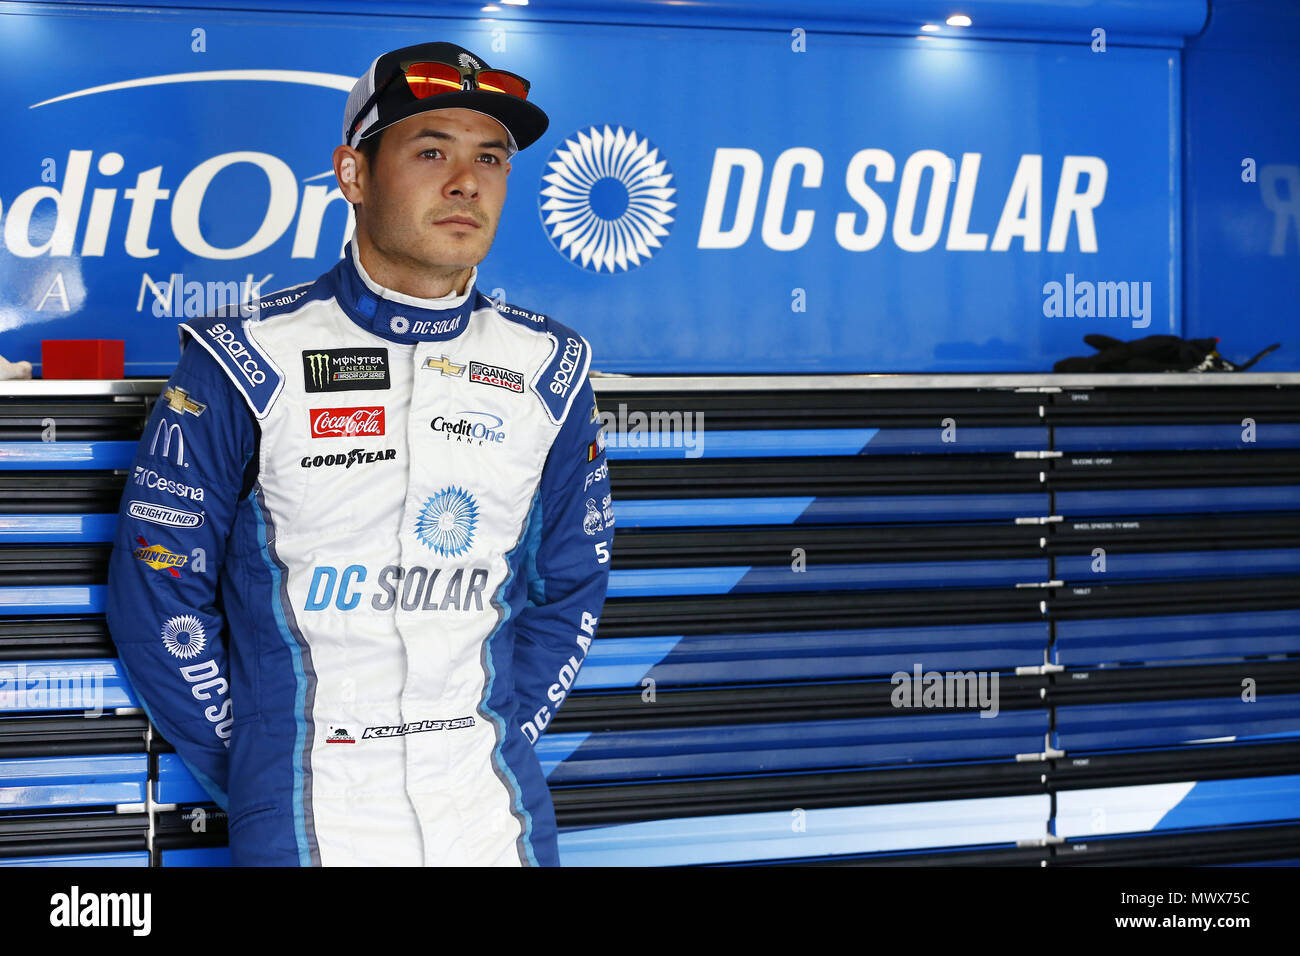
606	201
159	558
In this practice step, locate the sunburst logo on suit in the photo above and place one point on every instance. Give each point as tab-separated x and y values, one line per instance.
447	522
184	636
606	200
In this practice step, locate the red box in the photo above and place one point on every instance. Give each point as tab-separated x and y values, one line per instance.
347	422
83	358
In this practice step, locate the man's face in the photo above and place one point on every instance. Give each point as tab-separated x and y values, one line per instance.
432	167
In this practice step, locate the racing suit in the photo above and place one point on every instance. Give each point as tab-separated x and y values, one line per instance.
360	558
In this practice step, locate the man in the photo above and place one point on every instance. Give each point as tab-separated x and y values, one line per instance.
366	540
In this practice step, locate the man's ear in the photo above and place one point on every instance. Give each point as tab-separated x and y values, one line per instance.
347	166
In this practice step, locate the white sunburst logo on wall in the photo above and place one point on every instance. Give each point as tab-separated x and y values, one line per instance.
606	201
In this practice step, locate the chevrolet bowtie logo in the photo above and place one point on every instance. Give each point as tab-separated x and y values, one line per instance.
445	365
178	400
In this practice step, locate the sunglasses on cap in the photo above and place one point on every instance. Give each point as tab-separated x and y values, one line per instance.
427	78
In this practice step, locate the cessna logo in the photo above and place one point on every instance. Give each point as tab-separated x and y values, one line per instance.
445	365
340	370
178	400
151	479
171	434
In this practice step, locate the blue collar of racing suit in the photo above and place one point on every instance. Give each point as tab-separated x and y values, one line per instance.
395	316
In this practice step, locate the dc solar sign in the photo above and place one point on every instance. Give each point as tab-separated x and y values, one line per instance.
606	200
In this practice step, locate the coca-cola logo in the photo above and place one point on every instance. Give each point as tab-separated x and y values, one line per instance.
347	422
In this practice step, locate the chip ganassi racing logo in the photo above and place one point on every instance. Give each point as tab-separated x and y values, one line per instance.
508	379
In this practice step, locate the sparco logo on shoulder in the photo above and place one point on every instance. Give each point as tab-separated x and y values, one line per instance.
347	422
238	351
568	365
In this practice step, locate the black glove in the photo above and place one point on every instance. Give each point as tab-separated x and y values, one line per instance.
1155	353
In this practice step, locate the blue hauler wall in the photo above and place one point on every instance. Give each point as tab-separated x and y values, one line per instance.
720	190
1241	205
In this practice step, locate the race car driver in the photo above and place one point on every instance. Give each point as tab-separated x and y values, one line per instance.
365	542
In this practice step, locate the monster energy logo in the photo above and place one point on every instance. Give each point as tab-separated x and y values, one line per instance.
320	366
338	370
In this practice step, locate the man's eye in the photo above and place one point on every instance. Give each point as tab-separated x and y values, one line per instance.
492	157
430	150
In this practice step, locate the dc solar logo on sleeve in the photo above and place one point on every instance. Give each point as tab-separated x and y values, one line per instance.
447	521
606	201
184	637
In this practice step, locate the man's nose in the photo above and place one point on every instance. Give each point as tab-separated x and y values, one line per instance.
462	181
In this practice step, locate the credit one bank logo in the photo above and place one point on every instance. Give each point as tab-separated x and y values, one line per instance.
606	200
156	192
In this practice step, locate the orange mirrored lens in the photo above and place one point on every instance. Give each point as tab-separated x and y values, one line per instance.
430	79
495	82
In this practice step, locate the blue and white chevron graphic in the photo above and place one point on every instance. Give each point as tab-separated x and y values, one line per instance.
447	521
606	201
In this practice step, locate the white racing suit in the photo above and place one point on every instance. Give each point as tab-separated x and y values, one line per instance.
360	559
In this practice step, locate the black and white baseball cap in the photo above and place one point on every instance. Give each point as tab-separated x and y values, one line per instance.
524	122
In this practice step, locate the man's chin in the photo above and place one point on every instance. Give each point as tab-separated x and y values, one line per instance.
448	260
453	255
